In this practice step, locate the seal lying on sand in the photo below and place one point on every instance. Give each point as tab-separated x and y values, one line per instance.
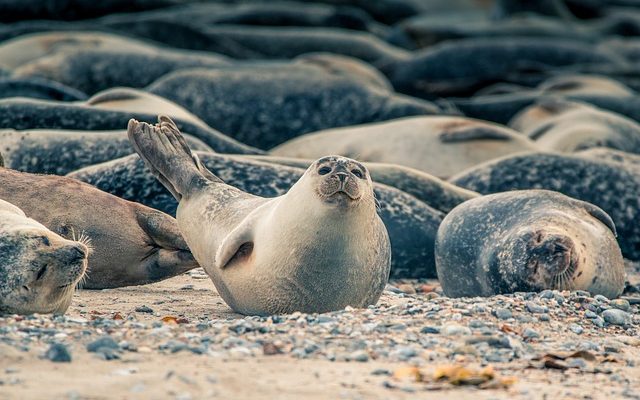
439	145
319	247
132	244
39	270
528	240
614	187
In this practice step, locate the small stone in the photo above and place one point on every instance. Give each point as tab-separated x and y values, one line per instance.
455	330
546	294
381	371
103	342
598	321
359	356
406	288
544	317
503	313
616	316
575	328
576	363
529	333
58	352
144	309
536	308
600	298
620	304
430	329
590	314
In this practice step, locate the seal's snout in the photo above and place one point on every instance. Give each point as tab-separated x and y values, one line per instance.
552	255
75	253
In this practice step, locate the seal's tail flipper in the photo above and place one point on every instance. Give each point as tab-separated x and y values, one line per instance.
165	152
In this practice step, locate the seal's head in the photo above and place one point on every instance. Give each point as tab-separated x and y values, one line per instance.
549	259
340	181
39	269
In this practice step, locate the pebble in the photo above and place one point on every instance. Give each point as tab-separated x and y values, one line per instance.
620	304
535	308
503	313
575	328
359	356
616	316
455	330
58	352
104	342
529	333
144	309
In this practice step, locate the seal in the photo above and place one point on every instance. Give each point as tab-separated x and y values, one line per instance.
566	126
529	240
54	151
337	250
438	145
614	187
39	270
411	223
285	102
435	192
21	114
38	88
93	70
132	244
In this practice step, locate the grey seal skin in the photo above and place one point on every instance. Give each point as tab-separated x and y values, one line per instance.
23	114
461	67
59	152
438	145
273	13
317	248
284	103
609	154
131	244
412	224
38	88
39	270
429	189
611	186
529	240
91	70
429	29
565	126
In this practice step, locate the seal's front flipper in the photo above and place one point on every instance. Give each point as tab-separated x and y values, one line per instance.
166	153
239	242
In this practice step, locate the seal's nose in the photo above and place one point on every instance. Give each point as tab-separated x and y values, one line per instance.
75	253
342	176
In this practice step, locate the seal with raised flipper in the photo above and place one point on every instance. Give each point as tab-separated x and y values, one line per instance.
319	247
39	270
528	240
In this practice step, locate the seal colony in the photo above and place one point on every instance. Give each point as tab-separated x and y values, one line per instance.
319	247
410	126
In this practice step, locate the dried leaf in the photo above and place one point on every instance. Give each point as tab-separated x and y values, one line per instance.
118	316
170	320
508	329
459	375
411	373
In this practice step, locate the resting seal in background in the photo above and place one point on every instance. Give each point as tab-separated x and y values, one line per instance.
528	240
132	244
319	247
39	270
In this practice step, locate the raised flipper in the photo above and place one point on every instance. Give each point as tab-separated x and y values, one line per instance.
165	152
239	242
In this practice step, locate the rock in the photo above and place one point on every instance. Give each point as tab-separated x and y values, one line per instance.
616	316
620	304
598	321
430	329
144	309
575	328
58	352
503	313
529	333
535	308
359	356
104	341
455	330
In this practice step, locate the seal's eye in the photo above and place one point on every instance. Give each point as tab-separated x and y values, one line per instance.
357	173
324	170
45	240
41	273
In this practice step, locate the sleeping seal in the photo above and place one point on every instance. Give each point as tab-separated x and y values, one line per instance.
39	270
132	244
614	187
439	145
567	126
529	240
319	247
